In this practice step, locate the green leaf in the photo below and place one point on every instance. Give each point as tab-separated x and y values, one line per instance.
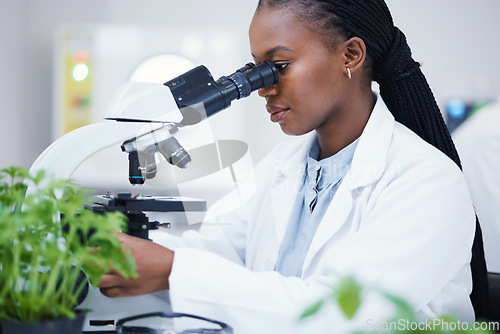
313	309
348	296
403	309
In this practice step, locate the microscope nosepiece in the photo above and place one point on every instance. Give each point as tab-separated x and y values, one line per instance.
174	153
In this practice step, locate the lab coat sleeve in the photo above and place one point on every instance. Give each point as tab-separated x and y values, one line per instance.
223	230
252	302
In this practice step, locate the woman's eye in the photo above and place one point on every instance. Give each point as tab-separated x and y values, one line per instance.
281	66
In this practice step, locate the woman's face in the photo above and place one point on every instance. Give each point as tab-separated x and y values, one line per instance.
309	93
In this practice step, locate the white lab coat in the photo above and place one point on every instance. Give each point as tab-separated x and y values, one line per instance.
401	221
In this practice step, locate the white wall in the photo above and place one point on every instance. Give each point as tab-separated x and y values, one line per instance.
455	40
457	43
12	47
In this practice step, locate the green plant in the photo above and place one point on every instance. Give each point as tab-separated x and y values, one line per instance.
348	296
46	240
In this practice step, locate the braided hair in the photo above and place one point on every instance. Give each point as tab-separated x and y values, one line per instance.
403	86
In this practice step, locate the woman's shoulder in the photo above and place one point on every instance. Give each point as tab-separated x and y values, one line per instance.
409	149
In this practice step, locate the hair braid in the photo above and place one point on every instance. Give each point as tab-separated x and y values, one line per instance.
403	86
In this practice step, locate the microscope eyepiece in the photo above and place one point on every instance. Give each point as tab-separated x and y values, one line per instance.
249	78
198	96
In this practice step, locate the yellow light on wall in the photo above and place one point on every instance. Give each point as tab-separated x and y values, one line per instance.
77	84
80	72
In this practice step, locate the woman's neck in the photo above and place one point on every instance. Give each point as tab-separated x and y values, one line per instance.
347	127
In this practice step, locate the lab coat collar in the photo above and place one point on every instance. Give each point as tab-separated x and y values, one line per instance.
370	157
368	164
294	164
287	183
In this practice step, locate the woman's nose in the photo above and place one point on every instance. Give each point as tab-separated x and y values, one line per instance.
268	91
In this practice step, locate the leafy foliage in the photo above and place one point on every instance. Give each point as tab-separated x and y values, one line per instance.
46	239
347	294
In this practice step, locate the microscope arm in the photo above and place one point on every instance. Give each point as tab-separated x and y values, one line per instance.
63	156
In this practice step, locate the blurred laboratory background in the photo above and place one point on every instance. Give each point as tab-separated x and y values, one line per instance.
44	94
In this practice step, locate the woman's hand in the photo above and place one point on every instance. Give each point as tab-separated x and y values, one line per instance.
154	264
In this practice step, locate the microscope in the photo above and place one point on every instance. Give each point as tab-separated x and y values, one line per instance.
144	118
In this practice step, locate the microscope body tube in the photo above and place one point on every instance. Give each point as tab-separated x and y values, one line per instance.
198	96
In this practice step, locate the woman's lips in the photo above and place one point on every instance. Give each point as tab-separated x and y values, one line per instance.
277	112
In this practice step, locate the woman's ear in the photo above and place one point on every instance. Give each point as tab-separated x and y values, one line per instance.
355	53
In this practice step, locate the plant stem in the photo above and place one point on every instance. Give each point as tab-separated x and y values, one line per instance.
52	282
65	294
16	260
33	277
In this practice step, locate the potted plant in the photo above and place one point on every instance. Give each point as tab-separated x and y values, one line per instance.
47	240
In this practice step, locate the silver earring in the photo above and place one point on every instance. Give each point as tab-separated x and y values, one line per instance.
349	73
